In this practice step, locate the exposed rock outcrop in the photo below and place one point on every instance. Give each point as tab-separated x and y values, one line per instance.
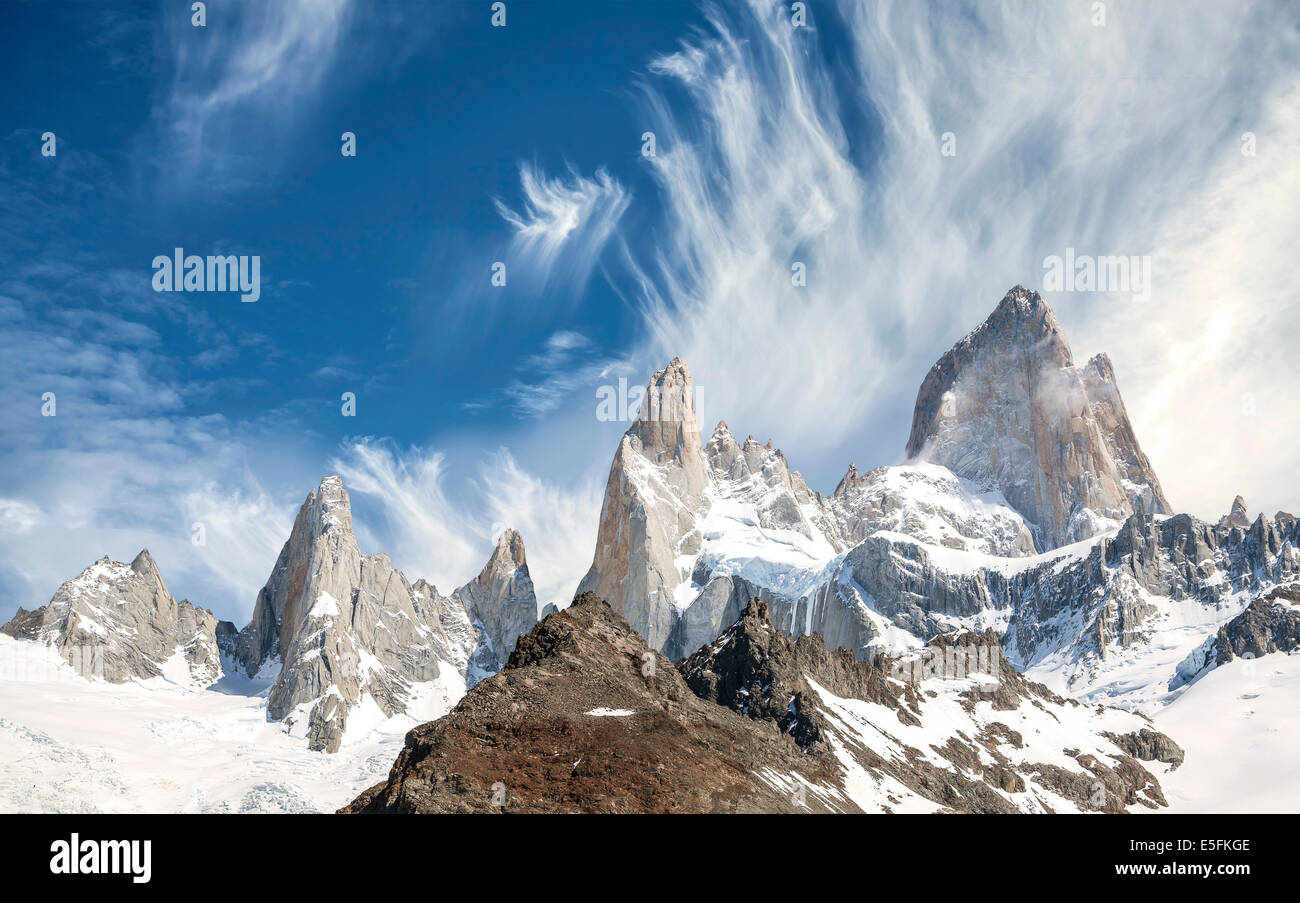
1237	516
1008	409
1150	746
687	536
1269	624
341	626
118	622
585	718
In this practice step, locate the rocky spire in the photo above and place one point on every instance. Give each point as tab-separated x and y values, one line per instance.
850	477
118	622
320	556
653	496
666	424
1007	408
1237	516
501	600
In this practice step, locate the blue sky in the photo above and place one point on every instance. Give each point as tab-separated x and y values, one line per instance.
475	404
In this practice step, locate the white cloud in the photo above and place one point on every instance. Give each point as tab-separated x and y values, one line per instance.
447	537
1114	140
243	531
562	225
242	83
422	530
121	465
558	523
17	516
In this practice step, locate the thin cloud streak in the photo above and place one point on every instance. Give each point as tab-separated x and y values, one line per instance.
1110	140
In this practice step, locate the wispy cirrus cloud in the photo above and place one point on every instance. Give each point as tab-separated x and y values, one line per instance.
823	147
240	83
562	225
441	524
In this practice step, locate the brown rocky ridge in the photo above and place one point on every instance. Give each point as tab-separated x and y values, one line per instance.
586	718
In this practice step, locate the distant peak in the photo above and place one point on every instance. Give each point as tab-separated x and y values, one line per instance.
509	548
1237	516
1022	300
143	562
850	477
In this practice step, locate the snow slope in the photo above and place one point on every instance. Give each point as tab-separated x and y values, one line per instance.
69	744
1240	728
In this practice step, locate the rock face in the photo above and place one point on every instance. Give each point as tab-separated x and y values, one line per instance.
688	534
341	626
1016	451
647	521
1006	408
586	718
118	622
1269	624
501	602
1237	516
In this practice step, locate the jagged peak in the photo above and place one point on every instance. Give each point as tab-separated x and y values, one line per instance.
1022	300
509	548
1025	313
675	376
1238	515
330	504
665	422
850	477
331	487
143	565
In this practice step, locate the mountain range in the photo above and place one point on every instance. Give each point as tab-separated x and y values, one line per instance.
742	642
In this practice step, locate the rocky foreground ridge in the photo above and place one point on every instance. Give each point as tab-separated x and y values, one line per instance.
585	717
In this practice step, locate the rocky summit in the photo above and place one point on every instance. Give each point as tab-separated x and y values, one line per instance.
338	627
585	717
1026	507
332	630
1007	408
117	622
